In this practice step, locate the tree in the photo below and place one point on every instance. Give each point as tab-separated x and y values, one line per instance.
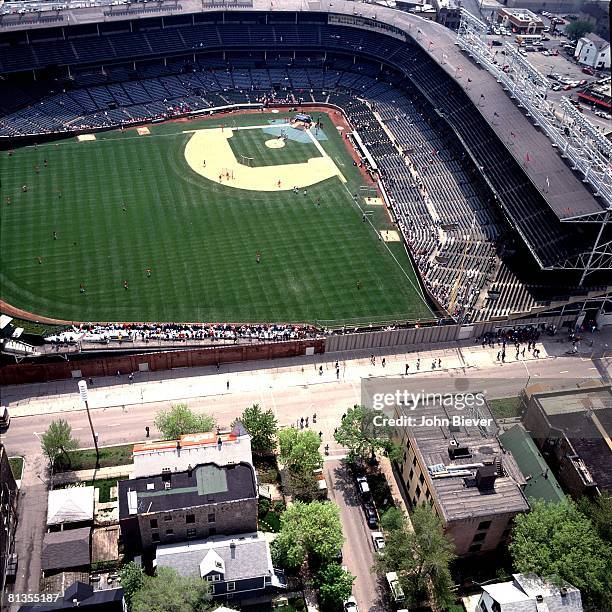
132	580
262	428
421	557
309	530
392	520
299	450
168	591
180	420
336	586
577	29
599	511
364	438
556	539
58	440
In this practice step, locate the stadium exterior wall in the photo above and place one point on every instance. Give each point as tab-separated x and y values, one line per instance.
167	360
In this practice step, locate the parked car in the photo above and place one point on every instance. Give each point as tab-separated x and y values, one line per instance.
363	487
378	539
370	513
350	605
556	87
588	70
546	52
397	593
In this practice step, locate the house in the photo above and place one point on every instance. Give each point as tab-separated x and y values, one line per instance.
237	567
70	507
67	549
540	482
152	458
8	511
458	466
592	50
520	21
202	501
84	597
572	429
529	593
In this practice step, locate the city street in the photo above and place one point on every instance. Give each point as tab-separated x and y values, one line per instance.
292	389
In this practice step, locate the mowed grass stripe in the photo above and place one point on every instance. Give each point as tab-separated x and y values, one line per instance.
198	237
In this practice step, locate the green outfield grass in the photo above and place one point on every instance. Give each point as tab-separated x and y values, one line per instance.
198	237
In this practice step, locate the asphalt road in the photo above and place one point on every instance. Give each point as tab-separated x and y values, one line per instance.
358	552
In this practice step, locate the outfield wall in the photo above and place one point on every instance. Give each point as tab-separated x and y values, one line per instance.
154	362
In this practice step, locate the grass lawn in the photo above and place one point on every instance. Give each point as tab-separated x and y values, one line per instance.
86	459
506	407
267	469
198	237
16	464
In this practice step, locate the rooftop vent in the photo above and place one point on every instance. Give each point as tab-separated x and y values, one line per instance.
189	470
458	451
167	485
539	598
485	477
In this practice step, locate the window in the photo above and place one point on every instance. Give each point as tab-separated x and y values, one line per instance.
421	479
169	532
211	517
479	537
153	523
167	517
411	475
213	578
191	533
484	525
155	537
231	586
212	531
190	518
475	548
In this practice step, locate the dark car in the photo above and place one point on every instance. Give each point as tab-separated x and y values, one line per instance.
370	514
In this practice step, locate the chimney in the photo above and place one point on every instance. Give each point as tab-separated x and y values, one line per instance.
189	470
539	598
219	442
233	550
178	446
563	591
485	478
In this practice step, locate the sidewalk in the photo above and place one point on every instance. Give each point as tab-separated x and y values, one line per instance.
183	384
116	471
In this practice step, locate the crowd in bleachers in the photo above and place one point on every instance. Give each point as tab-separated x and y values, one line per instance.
178	332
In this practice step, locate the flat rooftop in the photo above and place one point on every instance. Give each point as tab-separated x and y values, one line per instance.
202	485
584	417
456	489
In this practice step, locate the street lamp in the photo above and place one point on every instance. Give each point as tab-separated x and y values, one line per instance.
85	397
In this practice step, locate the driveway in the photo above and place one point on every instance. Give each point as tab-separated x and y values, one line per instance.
358	553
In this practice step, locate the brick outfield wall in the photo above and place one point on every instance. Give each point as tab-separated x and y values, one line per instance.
108	366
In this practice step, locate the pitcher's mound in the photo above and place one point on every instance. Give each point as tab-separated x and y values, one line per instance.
275	143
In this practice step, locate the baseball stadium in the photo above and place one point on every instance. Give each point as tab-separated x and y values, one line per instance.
317	164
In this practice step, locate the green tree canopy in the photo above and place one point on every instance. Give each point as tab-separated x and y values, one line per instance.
58	440
419	556
335	586
168	591
577	29
299	449
308	530
364	438
599	511
180	420
132	580
262	427
392	520
557	540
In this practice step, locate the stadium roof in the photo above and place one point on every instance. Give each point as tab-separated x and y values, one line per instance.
565	193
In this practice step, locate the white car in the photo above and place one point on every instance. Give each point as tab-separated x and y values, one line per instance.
378	539
362	485
350	605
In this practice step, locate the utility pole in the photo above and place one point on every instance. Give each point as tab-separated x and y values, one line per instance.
85	397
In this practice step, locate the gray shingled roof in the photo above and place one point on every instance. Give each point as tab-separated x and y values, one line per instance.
65	549
248	559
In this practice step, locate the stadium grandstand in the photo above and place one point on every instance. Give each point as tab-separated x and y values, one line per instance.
497	222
